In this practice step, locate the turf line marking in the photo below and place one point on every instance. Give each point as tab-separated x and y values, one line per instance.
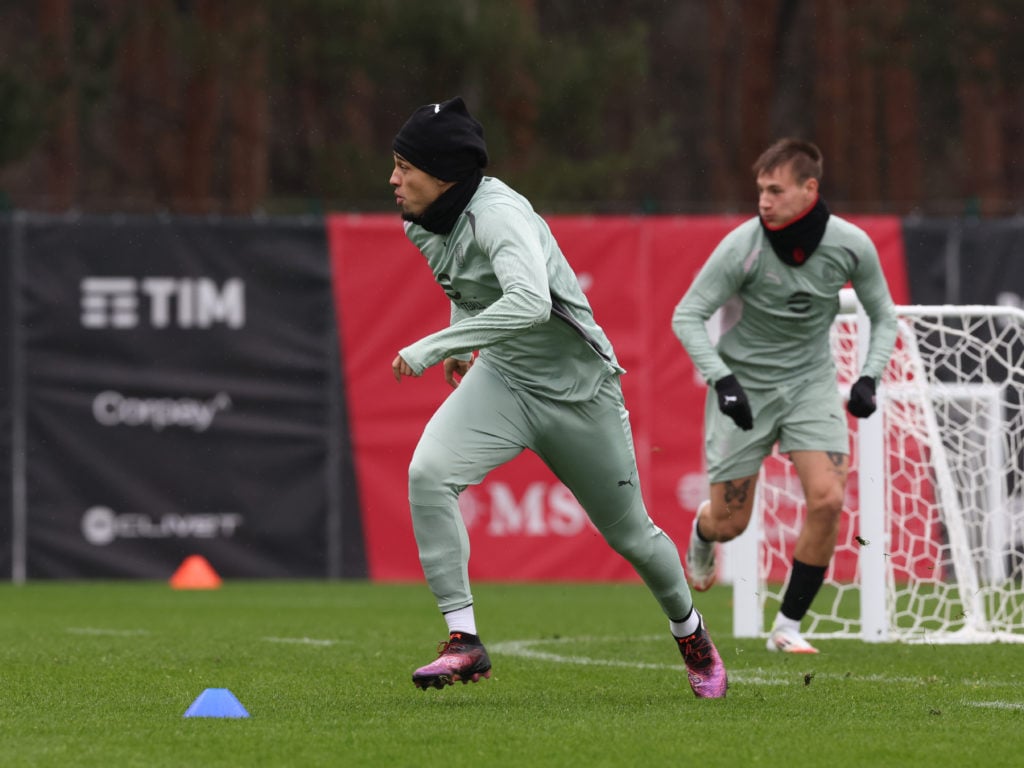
997	704
526	649
300	641
107	632
523	649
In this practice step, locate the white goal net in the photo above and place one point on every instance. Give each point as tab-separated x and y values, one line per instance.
931	547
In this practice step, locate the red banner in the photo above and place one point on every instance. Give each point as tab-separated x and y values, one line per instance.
523	524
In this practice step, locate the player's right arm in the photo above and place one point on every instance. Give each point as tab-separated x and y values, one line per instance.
516	260
718	281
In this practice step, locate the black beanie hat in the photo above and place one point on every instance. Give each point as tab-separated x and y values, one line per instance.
444	140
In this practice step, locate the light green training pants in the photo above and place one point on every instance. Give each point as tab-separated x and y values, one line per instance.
589	447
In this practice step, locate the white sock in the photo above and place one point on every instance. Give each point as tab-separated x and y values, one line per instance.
784	622
687	626
461	620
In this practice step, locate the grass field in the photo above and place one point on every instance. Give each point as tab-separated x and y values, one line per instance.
100	674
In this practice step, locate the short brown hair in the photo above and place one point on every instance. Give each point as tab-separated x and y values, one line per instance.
805	157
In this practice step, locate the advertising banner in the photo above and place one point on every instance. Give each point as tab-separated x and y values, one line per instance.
182	399
523	524
965	261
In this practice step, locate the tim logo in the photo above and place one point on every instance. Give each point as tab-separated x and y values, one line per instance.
162	302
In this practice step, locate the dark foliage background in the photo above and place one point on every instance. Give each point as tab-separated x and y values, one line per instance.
255	106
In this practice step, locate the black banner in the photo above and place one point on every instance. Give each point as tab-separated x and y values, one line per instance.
965	261
183	398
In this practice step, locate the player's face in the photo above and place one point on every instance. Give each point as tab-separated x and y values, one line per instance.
415	190
781	198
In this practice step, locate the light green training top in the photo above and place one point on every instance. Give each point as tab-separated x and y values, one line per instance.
514	298
776	317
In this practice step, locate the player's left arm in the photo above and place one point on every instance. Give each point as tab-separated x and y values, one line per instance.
872	291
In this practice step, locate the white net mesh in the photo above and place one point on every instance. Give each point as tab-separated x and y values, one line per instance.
952	484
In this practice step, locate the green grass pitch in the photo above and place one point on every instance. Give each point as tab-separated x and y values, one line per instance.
100	674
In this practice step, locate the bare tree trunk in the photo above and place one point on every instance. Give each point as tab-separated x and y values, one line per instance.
901	161
62	149
133	170
201	110
981	140
863	144
1013	136
725	101
758	73
832	59
981	126
517	103
161	110
249	135
792	111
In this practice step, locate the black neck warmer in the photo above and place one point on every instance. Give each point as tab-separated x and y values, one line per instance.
795	242
442	214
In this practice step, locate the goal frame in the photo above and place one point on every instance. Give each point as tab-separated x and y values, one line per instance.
742	557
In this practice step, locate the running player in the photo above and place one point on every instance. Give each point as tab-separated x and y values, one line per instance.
777	279
545	379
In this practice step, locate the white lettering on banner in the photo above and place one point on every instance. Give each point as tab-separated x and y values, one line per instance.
109	302
545	509
565	517
508	517
101	526
112	409
186	302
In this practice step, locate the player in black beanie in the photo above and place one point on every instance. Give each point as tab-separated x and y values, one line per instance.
444	140
530	370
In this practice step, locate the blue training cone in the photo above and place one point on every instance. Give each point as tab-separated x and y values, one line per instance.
216	702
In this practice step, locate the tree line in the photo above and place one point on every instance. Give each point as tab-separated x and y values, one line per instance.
651	106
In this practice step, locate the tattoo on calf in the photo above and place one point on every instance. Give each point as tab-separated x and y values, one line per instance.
736	491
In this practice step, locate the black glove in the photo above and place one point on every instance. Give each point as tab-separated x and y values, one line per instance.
862	397
732	401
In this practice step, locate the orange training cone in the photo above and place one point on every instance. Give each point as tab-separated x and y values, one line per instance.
195	572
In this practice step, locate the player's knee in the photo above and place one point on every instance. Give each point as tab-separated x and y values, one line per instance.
636	543
420	473
832	503
425	484
637	550
723	521
725	529
826	506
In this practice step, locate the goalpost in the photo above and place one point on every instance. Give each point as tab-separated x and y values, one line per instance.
931	546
